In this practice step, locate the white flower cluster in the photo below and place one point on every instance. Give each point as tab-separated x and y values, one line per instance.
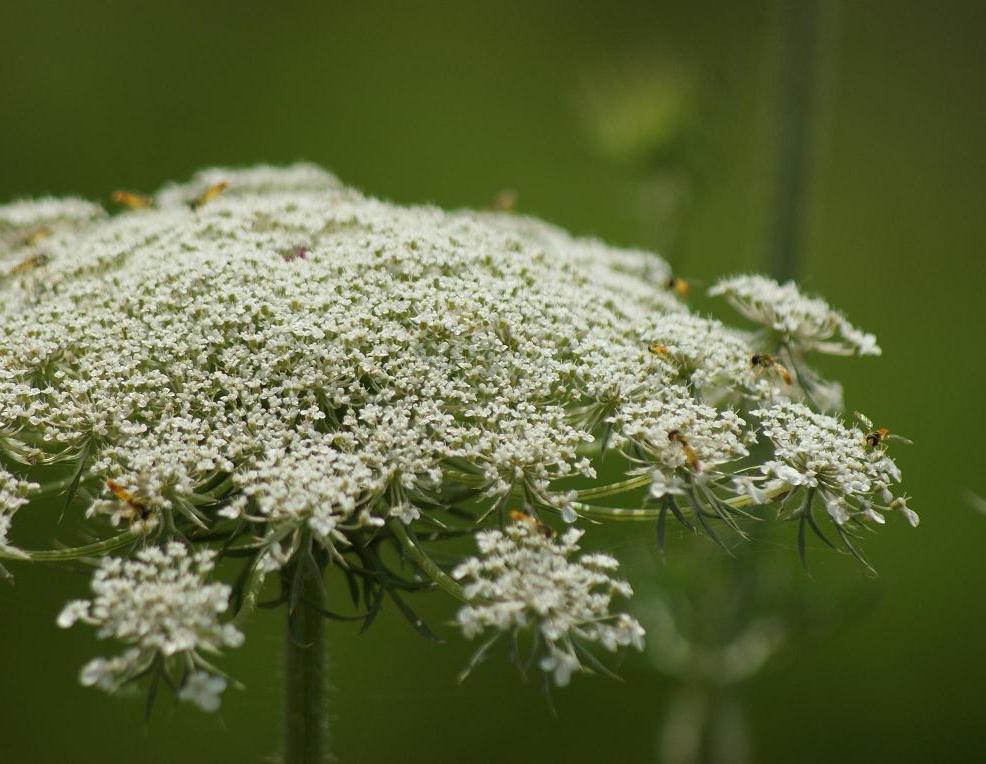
805	322
817	451
673	431
705	353
524	579
13	495
160	604
271	355
316	351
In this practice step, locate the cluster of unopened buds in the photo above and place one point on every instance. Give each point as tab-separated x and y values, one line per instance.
268	366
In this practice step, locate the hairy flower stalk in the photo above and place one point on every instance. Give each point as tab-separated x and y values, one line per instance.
267	366
306	724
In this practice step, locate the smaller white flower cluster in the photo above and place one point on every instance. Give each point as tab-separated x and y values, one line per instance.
13	495
711	356
675	433
807	323
817	451
524	578
203	689
160	604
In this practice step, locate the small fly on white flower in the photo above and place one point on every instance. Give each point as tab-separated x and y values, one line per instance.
532	522
36	235
136	509
30	263
763	362
131	200
675	436
505	200
879	436
677	285
210	193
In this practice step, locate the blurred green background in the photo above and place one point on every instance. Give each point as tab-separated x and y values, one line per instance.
650	124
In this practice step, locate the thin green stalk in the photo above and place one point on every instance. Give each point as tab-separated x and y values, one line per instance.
427	565
306	721
611	489
251	592
796	74
646	514
617	514
72	553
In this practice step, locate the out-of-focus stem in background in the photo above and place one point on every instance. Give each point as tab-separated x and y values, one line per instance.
801	71
705	721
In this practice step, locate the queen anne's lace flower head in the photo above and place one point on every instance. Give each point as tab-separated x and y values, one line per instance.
318	352
679	436
705	353
5	523
14	494
525	579
805	322
203	689
271	357
160	604
818	452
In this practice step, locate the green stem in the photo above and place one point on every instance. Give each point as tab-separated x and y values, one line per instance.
618	514
614	488
306	722
72	553
427	565
794	139
646	514
251	592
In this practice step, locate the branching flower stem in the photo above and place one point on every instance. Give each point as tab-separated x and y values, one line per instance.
612	489
443	580
427	565
73	553
647	514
